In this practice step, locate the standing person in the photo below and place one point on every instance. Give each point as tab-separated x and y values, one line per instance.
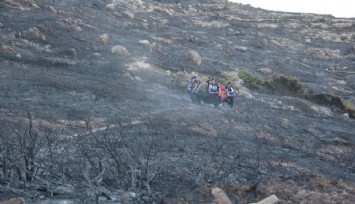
208	80
213	89
193	89
230	93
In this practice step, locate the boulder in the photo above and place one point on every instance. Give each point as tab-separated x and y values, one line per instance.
103	38
265	71
33	33
128	15
284	122
35	6
244	92
120	50
110	7
269	200
220	196
19	200
279	103
145	43
194	57
7	49
203	129
15	5
52	9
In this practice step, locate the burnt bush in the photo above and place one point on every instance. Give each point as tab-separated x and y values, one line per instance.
335	102
283	85
250	80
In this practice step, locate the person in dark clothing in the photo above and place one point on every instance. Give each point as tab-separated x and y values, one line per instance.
193	90
230	93
208	81
213	89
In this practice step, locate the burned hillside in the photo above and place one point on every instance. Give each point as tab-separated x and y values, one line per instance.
93	106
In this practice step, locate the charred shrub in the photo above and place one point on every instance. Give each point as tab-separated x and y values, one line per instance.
334	102
283	85
250	80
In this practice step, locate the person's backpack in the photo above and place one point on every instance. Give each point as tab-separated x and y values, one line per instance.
222	92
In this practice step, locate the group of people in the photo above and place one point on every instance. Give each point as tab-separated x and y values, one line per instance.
213	90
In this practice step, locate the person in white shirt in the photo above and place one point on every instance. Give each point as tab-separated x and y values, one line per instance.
230	93
213	89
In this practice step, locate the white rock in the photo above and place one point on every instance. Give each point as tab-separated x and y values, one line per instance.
36	33
120	50
7	49
128	76
103	38
18	55
128	15
343	25
246	94
284	122
110	7
240	81
35	6
73	52
267	25
265	71
143	20
132	194
137	78
220	196
52	9
145	43
241	48
194	56
269	200
279	103
163	22
322	110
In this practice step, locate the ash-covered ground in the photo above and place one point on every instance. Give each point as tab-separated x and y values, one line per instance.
93	106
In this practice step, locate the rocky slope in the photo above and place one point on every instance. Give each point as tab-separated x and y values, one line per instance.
93	107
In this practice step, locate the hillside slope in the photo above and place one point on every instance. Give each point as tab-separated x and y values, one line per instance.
93	105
